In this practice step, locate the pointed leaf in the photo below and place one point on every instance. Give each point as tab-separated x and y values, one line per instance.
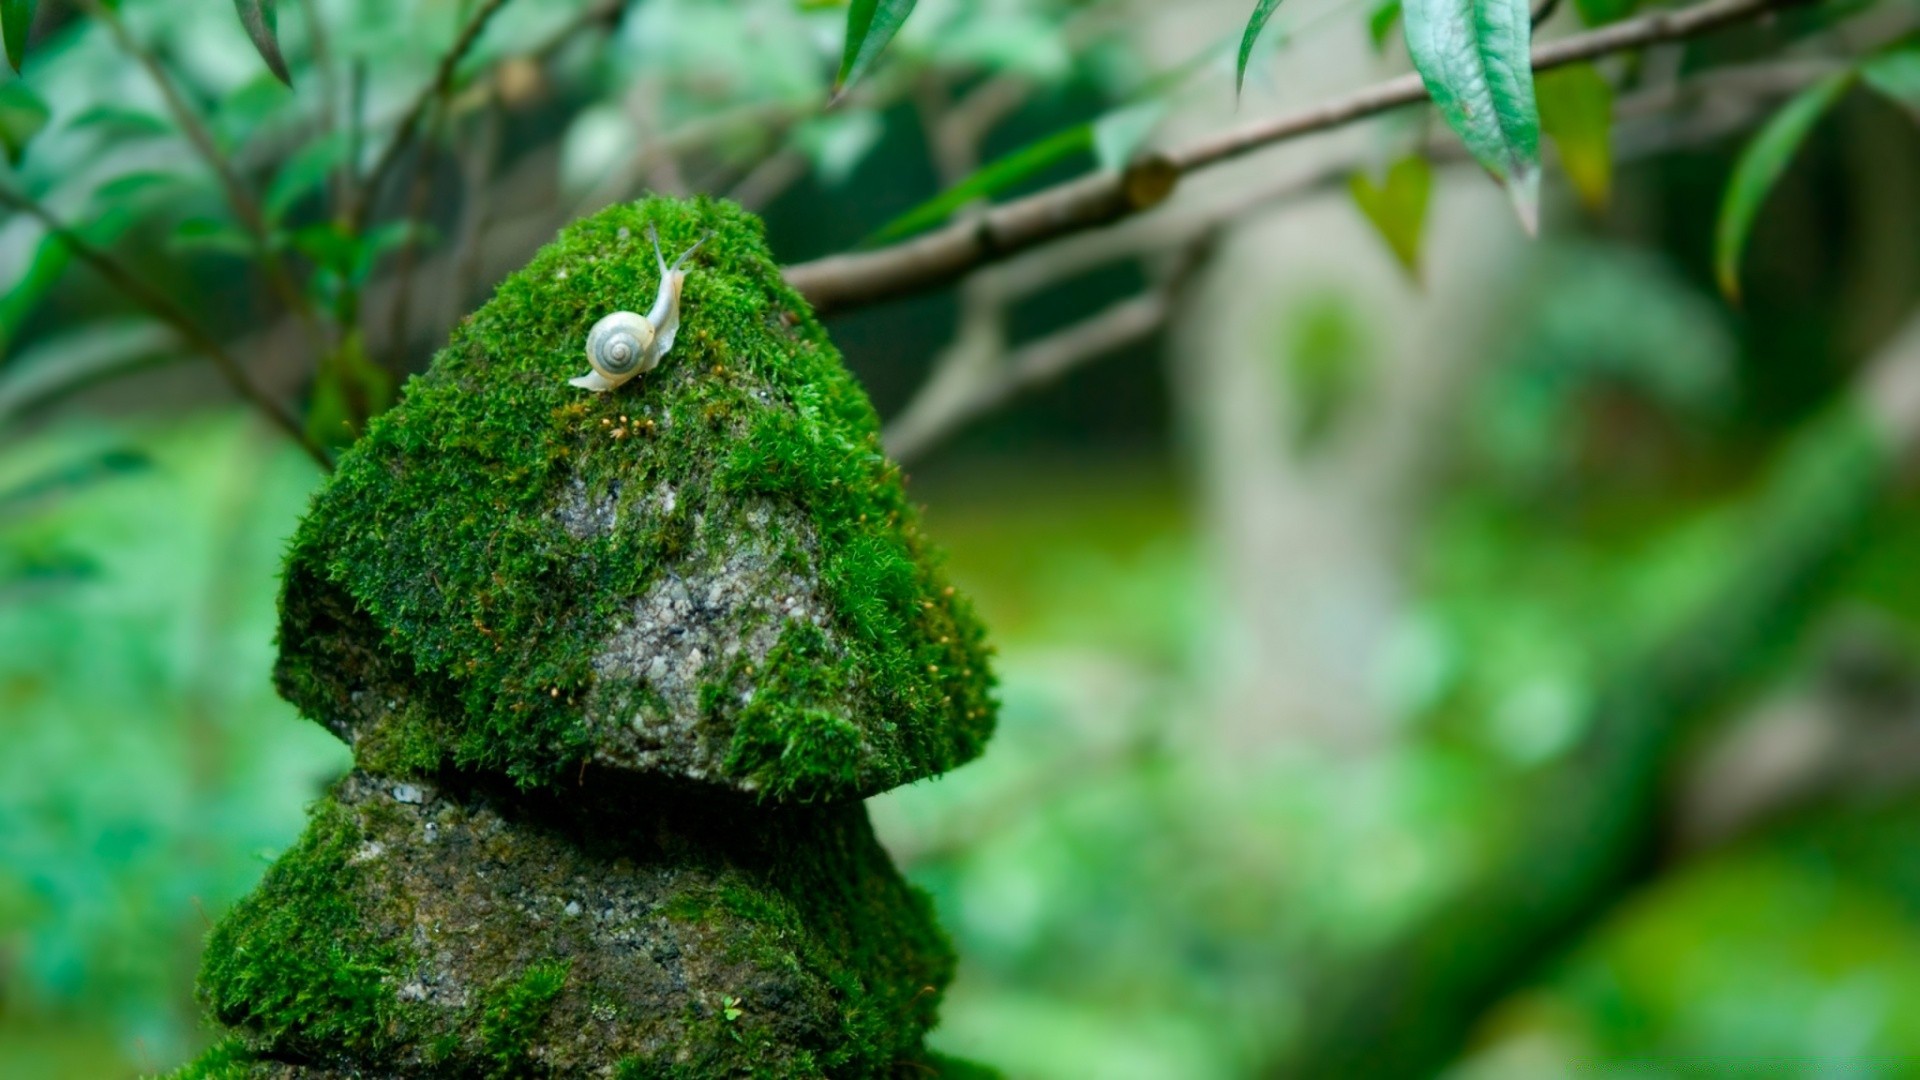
305	170
1760	167
1896	75
1262	11
1119	133
117	122
22	115
1576	111
870	25
1381	22
995	176
16	18
1474	57
1397	207
262	25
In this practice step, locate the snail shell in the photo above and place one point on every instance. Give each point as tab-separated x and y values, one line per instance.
620	346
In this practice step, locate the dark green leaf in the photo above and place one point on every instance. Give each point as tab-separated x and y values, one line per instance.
1397	207
1576	111
1896	75
1760	167
120	123
261	22
306	170
1381	22
1262	11
870	25
131	186
22	115
1474	57
347	390
16	18
73	476
992	177
1601	12
209	235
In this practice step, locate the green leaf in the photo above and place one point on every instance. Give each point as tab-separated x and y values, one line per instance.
1119	133
1896	75
870	25
990	178
1576	111
1760	167
1380	24
1397	207
261	22
1602	12
16	18
304	171
117	122
22	115
1474	57
212	236
1262	11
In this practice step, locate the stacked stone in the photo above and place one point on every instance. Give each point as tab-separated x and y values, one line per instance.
617	670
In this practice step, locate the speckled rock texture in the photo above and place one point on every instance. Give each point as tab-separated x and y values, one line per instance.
616	670
710	573
428	932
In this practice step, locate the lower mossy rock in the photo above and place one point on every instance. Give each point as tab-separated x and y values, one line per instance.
711	572
232	1060
423	931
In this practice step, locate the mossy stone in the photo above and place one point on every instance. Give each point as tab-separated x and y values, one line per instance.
422	931
711	572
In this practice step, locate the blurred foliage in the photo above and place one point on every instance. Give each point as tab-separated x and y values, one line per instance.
1126	903
150	769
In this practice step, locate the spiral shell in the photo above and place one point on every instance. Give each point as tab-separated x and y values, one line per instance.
620	345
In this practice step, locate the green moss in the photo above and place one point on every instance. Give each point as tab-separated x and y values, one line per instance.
292	962
420	930
434	569
224	1060
513	1011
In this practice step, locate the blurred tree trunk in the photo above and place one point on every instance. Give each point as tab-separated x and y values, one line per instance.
1592	825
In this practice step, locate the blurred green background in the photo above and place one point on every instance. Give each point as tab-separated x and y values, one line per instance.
1401	672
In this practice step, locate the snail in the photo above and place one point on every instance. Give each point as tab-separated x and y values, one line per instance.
626	343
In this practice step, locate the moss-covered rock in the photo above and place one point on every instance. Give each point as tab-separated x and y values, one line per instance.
711	572
231	1060
419	931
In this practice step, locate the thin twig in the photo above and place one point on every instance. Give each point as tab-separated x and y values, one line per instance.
476	211
409	128
940	411
839	282
420	189
163	308
945	405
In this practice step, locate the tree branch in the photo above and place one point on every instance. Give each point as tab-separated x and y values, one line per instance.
839	282
164	309
943	407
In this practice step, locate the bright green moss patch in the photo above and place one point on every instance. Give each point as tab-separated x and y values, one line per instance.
426	930
225	1060
292	963
513	575
512	1014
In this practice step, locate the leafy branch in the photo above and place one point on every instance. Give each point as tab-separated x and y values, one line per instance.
845	281
163	308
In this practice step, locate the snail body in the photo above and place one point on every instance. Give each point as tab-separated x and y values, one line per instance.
626	343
